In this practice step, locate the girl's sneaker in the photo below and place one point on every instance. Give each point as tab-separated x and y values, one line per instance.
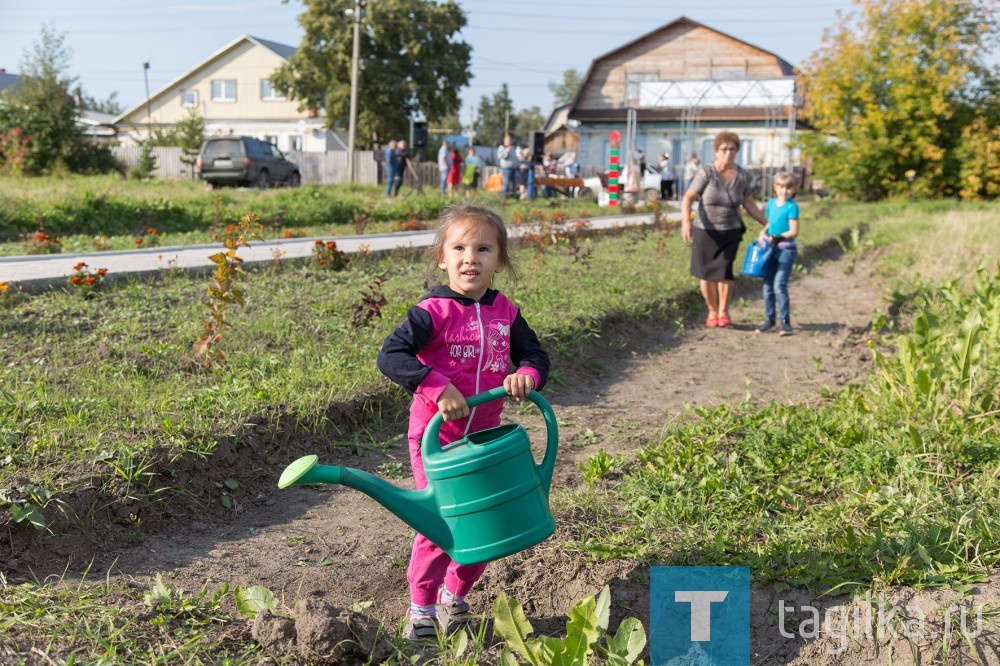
421	628
453	614
786	328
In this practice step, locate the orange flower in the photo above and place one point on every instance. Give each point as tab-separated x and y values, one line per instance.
319	242
3	287
138	241
76	279
331	245
101	272
288	234
79	266
90	280
151	231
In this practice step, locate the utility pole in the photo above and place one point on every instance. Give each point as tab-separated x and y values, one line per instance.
356	15
149	122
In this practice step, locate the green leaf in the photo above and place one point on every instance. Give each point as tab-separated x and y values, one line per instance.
507	658
581	630
218	258
510	622
603	608
629	641
252	600
28	513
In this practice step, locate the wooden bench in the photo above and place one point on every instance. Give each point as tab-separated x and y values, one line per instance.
561	184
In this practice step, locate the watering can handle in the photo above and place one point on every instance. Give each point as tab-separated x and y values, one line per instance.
432	434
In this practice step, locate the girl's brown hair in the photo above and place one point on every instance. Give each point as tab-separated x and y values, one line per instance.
473	214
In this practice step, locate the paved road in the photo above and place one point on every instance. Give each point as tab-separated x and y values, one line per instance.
39	270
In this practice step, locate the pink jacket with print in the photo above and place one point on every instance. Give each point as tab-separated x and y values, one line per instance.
451	338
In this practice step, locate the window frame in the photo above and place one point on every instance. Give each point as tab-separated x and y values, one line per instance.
223	82
275	96
189	91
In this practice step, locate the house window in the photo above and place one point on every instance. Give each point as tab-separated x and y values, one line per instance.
189	98
271	139
224	90
632	81
268	92
295	142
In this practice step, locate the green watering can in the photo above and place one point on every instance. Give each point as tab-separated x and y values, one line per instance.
485	496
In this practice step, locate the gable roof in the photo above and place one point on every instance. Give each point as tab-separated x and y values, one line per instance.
557	119
786	68
283	51
8	80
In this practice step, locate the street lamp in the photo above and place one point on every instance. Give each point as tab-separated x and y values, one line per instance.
356	15
145	75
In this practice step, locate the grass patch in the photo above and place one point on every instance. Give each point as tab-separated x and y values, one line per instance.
96	213
894	481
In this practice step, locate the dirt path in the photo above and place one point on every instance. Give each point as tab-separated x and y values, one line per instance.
337	546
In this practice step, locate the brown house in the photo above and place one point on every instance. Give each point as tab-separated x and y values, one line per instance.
560	137
671	91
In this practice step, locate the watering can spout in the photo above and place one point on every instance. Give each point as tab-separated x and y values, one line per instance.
416	508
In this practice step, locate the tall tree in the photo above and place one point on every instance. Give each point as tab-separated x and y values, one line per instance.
892	92
529	120
494	117
411	63
565	91
190	136
111	105
43	107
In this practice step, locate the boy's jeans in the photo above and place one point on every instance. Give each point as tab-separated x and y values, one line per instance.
776	281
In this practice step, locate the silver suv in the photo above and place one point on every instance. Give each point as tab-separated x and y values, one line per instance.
243	160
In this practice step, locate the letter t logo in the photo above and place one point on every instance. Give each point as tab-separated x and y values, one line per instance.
701	611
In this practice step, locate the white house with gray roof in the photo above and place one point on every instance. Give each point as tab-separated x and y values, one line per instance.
231	92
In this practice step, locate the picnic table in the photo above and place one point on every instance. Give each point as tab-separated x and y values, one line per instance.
561	184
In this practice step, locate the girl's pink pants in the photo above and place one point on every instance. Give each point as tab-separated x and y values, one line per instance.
429	565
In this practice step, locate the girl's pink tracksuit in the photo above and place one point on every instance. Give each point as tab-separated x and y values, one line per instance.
449	338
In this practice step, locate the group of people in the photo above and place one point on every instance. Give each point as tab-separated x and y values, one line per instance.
671	177
456	170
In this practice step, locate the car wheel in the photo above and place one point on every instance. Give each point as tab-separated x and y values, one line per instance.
585	193
294	180
262	182
652	195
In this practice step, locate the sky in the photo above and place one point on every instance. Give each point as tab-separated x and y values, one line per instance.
527	44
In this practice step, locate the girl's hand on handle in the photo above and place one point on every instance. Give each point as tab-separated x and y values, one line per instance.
452	404
518	386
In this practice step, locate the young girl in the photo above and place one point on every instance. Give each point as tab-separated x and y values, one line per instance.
459	340
782	228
